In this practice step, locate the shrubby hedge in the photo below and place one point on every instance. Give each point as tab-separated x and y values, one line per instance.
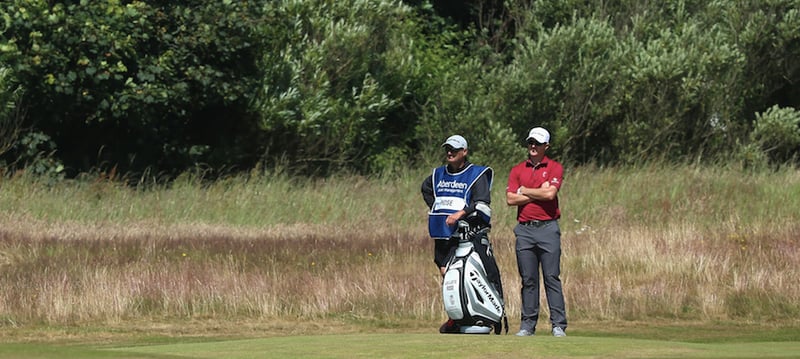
320	86
136	84
341	80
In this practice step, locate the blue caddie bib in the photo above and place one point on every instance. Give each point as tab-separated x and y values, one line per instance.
452	192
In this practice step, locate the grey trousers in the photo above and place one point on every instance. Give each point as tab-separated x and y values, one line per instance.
535	247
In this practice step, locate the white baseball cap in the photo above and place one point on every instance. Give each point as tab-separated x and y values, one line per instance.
455	141
539	134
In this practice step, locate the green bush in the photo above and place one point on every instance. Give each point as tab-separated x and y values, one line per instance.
465	104
10	117
138	84
35	153
777	133
566	81
767	34
677	92
337	76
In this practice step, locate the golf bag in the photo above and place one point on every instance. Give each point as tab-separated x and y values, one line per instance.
471	299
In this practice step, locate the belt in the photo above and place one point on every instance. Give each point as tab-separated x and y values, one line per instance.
536	223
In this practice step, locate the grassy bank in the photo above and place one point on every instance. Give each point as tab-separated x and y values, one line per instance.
676	243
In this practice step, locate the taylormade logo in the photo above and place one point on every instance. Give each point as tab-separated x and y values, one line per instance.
451	184
486	292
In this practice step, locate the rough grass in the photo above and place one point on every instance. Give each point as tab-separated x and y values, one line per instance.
685	243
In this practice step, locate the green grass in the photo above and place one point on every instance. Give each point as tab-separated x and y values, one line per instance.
428	346
639	341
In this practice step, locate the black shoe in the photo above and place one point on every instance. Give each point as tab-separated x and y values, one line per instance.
449	327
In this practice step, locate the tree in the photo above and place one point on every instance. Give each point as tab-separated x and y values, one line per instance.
10	117
136	84
342	81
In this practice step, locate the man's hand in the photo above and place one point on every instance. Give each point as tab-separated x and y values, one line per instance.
453	218
548	192
519	197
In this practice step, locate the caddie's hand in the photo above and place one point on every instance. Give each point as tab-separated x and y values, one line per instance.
453	218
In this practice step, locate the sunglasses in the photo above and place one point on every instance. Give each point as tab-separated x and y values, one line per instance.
534	143
449	149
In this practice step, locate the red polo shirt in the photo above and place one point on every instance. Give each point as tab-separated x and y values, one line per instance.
525	174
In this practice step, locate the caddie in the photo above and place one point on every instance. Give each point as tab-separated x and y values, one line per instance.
455	191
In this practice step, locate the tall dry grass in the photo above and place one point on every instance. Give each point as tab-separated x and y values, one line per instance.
658	241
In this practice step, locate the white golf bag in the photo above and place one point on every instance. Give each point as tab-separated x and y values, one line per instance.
470	299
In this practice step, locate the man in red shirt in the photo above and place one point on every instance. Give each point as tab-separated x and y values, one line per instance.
533	187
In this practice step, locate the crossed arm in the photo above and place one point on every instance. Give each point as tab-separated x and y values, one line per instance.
525	195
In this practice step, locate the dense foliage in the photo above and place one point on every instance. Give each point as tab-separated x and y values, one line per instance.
159	84
369	85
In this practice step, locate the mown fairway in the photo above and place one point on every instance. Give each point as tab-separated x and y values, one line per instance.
431	346
401	345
